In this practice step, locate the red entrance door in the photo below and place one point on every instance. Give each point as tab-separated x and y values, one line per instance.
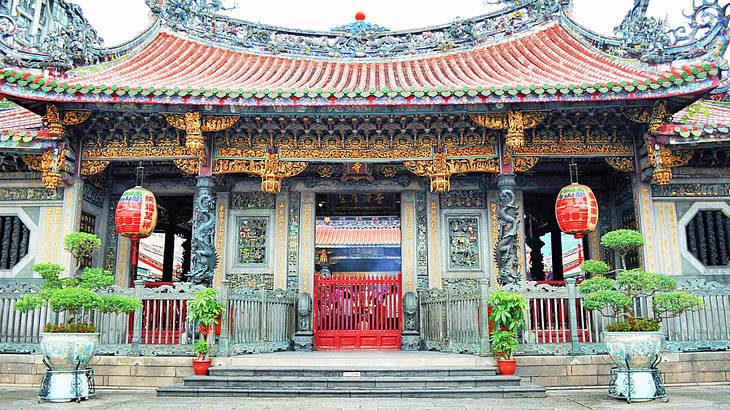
357	312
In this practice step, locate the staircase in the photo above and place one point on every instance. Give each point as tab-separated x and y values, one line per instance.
372	378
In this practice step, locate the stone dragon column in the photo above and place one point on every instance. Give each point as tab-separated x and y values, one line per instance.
204	257
507	219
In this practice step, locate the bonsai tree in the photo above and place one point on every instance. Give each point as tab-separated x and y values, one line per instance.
74	295
508	317
204	309
592	268
615	297
81	245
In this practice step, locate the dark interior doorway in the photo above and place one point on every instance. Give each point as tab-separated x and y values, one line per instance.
165	255
550	254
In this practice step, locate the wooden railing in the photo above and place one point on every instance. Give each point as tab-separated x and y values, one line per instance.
259	320
453	319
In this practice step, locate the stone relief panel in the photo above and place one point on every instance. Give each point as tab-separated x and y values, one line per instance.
252	234
463	242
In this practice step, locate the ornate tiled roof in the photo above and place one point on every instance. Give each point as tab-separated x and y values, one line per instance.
702	121
546	64
19	126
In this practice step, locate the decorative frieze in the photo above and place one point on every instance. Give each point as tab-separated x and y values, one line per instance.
31	194
690	190
463	199
253	200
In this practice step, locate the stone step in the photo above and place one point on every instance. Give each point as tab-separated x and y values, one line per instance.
340	382
352	371
395	359
523	390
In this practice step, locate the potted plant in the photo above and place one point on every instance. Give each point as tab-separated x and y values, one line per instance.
633	340
206	311
508	315
71	344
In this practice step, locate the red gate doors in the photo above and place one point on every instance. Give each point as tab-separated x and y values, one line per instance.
357	311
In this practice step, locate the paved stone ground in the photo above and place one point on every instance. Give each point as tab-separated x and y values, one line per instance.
695	397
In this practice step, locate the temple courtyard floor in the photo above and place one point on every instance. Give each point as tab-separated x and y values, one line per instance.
687	397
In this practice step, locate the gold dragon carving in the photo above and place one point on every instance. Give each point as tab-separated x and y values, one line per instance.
665	160
516	122
655	118
524	164
194	125
623	164
75	117
439	170
89	168
187	166
49	164
271	170
53	119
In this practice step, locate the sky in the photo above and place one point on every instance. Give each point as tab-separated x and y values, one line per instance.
118	21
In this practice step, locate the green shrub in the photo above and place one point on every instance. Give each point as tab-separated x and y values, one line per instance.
636	325
201	348
622	241
96	278
77	327
615	297
591	268
81	244
204	309
508	316
73	295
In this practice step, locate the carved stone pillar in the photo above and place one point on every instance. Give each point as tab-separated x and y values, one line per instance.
507	219
410	339
304	337
204	257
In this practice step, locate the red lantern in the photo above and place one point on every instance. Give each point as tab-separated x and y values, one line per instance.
576	210
136	214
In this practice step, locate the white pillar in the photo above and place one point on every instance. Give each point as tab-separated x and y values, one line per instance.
281	222
408	241
306	242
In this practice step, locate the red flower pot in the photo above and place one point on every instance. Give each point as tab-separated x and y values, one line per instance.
200	367
507	367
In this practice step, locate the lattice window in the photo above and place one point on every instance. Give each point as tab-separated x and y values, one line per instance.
15	238
708	237
463	237
252	234
88	223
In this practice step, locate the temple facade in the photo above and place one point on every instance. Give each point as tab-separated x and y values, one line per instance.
432	157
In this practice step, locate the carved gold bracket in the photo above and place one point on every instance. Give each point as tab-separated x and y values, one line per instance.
439	170
75	117
665	160
89	168
50	163
271	170
194	126
623	164
524	164
56	123
655	118
187	166
516	122
55	126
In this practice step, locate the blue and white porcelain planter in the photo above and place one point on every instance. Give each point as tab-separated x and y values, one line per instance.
65	351
641	348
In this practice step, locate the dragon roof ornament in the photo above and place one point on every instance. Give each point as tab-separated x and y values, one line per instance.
651	40
355	40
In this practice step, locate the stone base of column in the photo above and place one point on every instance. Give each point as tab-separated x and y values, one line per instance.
304	341
410	341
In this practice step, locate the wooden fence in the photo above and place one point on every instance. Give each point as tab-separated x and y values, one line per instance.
455	319
258	321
